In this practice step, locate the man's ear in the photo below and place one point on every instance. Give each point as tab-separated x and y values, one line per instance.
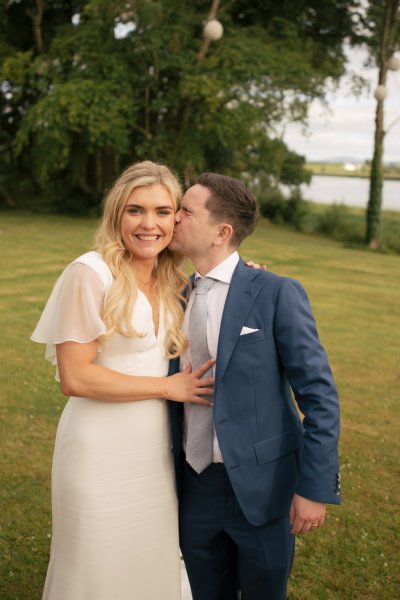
224	235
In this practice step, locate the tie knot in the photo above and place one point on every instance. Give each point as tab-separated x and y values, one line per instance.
203	284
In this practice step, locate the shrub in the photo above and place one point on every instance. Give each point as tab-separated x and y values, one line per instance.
280	210
334	221
338	221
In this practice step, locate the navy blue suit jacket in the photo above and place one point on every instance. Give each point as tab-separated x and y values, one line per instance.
269	453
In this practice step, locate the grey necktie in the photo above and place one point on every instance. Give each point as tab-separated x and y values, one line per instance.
200	425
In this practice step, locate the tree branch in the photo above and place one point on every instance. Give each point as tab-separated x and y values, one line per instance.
392	124
206	43
226	6
37	25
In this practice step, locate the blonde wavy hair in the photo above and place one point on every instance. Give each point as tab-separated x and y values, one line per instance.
170	281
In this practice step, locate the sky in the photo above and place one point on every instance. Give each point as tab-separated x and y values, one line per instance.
347	129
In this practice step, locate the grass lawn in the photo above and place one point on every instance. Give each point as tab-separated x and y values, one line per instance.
356	300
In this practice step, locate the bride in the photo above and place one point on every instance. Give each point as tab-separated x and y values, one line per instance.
111	324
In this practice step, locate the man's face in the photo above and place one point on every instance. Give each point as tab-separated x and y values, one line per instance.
194	231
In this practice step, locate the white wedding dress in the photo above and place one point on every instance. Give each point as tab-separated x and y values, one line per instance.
115	517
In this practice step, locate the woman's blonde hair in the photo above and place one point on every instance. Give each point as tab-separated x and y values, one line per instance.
170	280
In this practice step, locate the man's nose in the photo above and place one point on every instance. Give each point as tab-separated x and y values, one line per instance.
178	216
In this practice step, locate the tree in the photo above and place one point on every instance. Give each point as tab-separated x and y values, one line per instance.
90	85
383	25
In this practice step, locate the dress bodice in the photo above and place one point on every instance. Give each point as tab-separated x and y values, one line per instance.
74	313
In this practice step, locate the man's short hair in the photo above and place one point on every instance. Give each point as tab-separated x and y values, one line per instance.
230	201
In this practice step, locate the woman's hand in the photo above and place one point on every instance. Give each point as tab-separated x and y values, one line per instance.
188	386
254	265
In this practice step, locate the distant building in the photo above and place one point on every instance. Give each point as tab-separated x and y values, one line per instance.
349	167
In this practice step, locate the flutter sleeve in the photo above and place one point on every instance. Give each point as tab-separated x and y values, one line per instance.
73	311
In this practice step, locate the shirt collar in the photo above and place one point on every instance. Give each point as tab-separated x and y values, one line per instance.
224	270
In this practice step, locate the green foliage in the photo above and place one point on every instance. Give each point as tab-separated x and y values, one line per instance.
337	222
273	205
96	112
371	27
333	220
294	171
284	167
293	210
79	102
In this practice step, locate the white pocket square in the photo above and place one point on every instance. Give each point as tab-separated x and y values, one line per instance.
246	330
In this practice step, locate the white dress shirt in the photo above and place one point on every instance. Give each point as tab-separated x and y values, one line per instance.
216	298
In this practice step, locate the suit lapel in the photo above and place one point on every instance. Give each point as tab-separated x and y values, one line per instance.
243	291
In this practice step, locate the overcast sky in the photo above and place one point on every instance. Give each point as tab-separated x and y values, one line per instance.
348	130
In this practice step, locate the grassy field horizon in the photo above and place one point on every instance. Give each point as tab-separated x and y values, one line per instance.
355	295
354	170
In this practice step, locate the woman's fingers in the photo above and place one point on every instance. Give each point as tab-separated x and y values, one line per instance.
199	372
254	265
203	383
200	400
204	391
188	385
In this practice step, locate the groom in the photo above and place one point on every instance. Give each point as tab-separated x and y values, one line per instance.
250	473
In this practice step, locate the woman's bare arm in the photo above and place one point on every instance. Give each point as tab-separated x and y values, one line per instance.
81	376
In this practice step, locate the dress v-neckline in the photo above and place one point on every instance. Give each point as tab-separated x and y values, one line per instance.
160	314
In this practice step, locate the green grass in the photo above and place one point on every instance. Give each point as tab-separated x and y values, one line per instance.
338	170
356	300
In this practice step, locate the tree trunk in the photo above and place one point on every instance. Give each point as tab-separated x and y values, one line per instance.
374	208
375	192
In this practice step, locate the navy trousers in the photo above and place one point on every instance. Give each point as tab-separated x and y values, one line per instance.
223	552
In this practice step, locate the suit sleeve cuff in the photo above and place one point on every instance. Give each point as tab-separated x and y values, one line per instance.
326	491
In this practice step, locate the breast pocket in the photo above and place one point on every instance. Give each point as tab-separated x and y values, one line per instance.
251	338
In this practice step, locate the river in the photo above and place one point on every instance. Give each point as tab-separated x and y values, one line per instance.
351	191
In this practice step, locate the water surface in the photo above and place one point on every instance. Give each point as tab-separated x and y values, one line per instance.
351	191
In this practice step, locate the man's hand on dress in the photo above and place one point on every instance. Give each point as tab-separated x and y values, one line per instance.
306	515
188	385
